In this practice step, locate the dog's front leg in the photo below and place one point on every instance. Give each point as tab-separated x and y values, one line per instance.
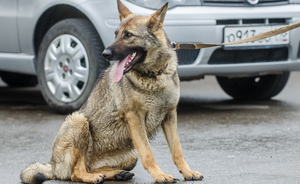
139	137
169	127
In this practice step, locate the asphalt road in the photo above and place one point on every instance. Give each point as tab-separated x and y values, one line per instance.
227	141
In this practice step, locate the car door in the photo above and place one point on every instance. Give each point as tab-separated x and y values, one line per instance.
8	27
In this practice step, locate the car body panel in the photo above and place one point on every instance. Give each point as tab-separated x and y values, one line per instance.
17	63
8	27
29	13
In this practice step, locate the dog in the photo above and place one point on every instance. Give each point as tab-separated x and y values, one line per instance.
128	105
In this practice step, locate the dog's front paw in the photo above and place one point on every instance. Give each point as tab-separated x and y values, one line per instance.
165	178
192	175
99	179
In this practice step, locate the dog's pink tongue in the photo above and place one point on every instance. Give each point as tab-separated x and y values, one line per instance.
118	73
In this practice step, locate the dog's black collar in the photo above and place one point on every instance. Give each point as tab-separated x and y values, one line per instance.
154	75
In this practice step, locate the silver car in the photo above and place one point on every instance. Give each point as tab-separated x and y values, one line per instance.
61	41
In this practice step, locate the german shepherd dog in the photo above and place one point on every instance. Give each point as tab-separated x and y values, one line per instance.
134	97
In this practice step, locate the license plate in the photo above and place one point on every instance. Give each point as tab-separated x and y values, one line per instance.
238	33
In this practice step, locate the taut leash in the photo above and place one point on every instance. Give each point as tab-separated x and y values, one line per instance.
260	36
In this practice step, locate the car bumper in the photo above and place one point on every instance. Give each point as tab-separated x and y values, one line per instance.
202	27
198	24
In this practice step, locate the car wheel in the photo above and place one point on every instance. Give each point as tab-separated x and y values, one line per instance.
68	64
18	80
254	88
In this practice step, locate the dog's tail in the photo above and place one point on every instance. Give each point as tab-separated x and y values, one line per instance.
37	173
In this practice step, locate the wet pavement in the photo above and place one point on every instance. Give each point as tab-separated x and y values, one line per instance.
227	141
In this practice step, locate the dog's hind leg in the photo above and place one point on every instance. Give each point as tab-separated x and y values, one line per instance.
117	165
115	174
69	151
169	127
80	173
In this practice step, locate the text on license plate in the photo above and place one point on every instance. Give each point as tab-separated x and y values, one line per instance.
237	33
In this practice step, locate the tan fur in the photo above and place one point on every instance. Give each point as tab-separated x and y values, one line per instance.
105	137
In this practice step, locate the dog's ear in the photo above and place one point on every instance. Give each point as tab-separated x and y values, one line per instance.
123	10
156	20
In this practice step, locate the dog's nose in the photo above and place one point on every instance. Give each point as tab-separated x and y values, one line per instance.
107	53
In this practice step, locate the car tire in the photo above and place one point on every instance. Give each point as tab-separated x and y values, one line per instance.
18	80
69	62
254	88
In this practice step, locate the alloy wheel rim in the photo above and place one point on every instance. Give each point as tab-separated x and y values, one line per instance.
66	68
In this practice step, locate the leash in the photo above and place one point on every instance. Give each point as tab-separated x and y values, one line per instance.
177	46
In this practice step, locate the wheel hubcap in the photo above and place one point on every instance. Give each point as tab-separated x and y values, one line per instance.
66	68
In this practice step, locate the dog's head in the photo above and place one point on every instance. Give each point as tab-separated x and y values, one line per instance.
135	37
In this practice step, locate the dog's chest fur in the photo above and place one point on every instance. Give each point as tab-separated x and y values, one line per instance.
109	101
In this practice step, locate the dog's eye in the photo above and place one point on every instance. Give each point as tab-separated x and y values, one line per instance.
128	35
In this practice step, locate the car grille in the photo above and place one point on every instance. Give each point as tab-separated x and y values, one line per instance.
221	56
186	57
271	21
242	2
